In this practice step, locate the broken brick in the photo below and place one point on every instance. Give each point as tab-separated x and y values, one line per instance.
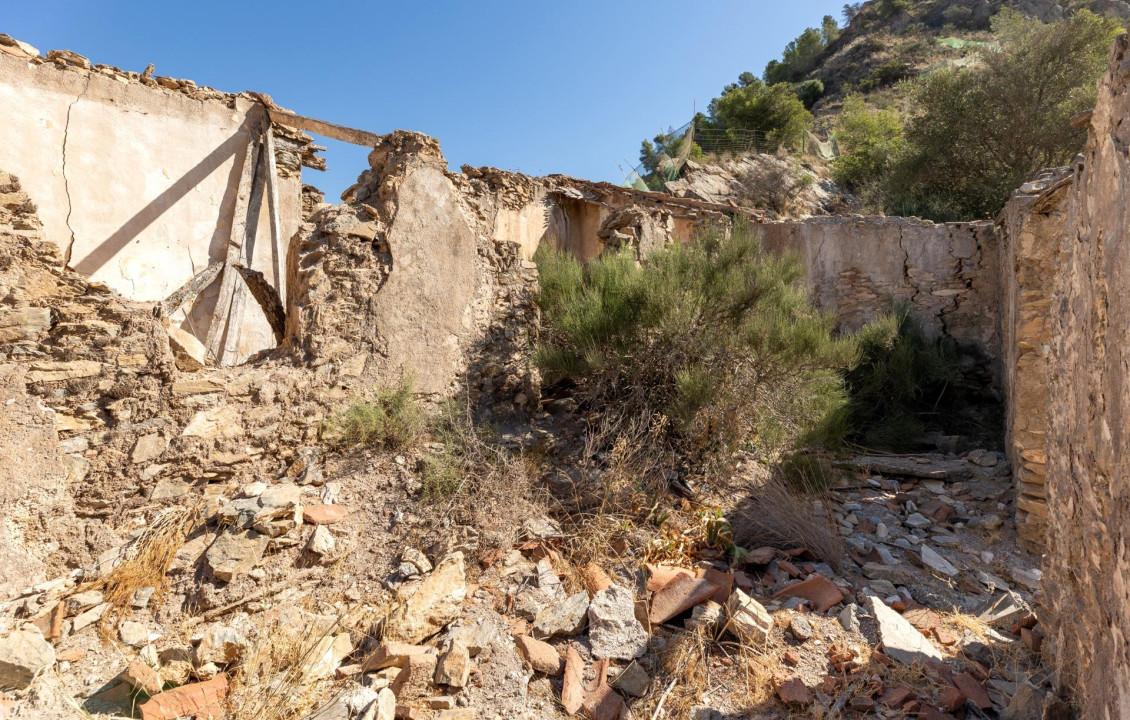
683	593
817	589
896	697
973	690
572	687
603	704
203	700
794	693
951	699
862	703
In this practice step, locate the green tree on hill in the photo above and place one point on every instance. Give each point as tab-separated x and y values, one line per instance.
774	109
974	135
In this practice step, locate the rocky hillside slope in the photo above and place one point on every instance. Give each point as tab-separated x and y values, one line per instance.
887	41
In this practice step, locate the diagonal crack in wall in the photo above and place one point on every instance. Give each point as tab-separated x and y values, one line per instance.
66	182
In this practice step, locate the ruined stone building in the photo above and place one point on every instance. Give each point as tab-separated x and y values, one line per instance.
172	292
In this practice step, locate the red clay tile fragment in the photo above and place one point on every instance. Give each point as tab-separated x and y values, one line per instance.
323	514
896	697
794	693
724	581
572	688
603	704
973	690
817	589
683	593
660	576
951	699
203	700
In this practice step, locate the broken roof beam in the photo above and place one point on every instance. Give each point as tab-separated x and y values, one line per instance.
321	127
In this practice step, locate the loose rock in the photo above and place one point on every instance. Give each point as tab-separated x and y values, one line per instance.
614	631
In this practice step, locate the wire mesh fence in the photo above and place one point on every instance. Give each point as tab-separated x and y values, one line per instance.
713	142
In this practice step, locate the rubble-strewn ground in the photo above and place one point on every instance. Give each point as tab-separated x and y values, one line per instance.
214	552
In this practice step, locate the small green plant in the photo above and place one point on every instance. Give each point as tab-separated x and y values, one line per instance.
441	476
391	419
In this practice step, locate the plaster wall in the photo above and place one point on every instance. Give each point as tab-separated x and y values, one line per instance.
946	274
136	184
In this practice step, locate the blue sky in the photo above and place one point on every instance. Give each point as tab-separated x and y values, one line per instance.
540	87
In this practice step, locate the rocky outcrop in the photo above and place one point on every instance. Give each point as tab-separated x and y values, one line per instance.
1087	575
781	186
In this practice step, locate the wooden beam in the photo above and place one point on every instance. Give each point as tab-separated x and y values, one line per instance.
321	127
234	251
230	354
188	292
278	252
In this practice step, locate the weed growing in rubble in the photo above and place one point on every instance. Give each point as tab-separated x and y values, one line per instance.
391	419
715	337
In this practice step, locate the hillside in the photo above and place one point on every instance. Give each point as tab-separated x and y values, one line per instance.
885	41
878	111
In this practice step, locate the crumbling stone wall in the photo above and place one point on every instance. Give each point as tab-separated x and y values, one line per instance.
946	274
135	176
1087	576
1031	227
582	218
410	278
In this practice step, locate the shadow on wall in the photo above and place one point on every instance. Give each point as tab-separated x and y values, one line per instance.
199	312
236	144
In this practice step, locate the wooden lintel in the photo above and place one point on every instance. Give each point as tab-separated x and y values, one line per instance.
321	127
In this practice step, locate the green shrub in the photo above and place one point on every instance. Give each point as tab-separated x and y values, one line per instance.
391	419
868	140
772	109
890	8
441	476
809	91
713	341
899	382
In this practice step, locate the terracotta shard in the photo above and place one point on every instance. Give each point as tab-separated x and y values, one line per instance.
817	589
683	593
572	687
203	700
973	690
660	576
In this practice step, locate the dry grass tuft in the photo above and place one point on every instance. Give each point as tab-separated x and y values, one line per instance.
617	491
476	482
691	666
775	514
144	562
276	681
1009	654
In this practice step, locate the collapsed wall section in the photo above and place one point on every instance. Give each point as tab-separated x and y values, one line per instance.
136	177
410	279
1087	577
